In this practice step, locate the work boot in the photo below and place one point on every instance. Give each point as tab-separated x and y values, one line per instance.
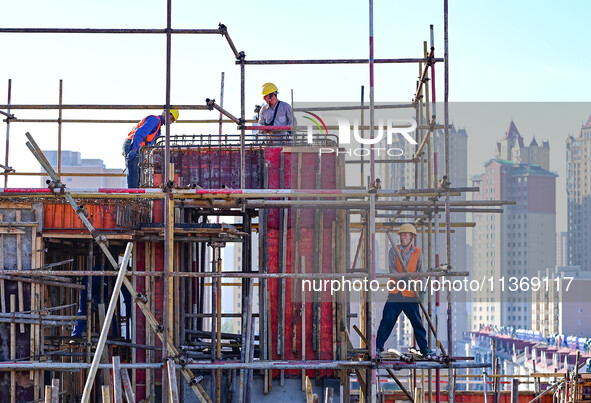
427	352
379	352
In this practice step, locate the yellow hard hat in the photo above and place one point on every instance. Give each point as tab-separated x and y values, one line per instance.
173	112
269	88
407	228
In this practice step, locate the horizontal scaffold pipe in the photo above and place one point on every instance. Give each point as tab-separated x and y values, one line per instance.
352	107
340	61
235	193
207	365
107	31
117	121
63	174
95	106
240	274
38	317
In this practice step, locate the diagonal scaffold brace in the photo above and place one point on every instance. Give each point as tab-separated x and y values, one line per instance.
101	240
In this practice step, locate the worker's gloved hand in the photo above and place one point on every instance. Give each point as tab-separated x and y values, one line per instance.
131	155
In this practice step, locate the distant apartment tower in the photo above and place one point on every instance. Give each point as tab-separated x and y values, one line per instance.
72	162
403	175
578	188
561	305
521	241
562	249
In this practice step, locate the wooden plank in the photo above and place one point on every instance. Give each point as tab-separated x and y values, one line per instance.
106	394
84	236
105	356
172	383
117	393
12	231
34	330
55	390
10	205
133	324
328	395
19	266
48	393
127	386
309	394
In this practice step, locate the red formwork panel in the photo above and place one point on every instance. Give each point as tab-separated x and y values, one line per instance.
211	167
142	388
103	215
308	178
140	325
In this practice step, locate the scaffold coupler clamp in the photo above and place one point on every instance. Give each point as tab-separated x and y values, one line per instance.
183	360
223	29
196	380
210	103
241	123
444	182
82	210
99	238
141	298
53	185
445	267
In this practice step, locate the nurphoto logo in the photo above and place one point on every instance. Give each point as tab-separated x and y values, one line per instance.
353	143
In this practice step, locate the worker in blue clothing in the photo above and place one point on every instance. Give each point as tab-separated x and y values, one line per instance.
145	132
275	113
95	296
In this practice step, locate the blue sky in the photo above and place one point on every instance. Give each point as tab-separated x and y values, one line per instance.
503	51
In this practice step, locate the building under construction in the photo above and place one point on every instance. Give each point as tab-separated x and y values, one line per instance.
140	270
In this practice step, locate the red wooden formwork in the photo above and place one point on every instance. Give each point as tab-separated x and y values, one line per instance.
141	254
308	179
212	167
193	166
103	215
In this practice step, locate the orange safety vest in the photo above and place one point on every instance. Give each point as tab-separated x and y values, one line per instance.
150	137
411	267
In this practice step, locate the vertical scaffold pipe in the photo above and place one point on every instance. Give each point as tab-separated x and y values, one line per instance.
168	211
372	347
59	132
451	391
7	133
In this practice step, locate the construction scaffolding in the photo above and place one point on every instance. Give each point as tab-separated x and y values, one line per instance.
308	220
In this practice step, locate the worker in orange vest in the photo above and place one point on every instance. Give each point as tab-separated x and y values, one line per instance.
145	132
402	297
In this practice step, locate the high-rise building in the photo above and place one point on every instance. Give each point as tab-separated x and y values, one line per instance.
578	188
561	304
520	242
562	249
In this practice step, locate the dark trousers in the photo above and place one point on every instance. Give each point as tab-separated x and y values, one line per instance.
133	167
391	312
97	281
